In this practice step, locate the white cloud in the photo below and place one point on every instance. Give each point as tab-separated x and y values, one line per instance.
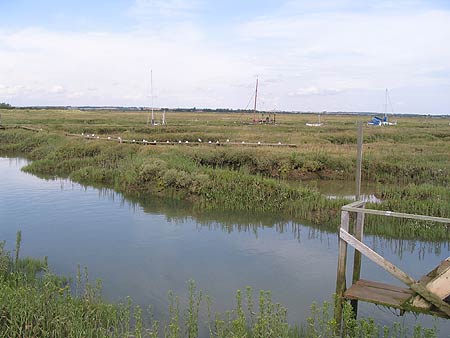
315	91
9	91
58	89
322	60
116	64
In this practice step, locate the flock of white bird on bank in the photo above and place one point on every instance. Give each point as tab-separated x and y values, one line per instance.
109	138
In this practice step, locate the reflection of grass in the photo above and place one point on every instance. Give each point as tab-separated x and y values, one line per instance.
42	305
413	156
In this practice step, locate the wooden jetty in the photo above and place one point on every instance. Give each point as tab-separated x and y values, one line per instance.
428	295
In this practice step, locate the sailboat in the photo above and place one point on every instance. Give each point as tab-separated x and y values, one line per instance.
151	95
269	119
163	118
318	124
383	121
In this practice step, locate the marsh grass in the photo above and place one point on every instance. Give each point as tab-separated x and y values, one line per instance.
413	157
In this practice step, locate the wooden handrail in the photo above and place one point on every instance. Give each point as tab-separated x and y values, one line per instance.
351	208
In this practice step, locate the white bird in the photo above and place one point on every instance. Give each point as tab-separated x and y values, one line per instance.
217	142
187	142
98	137
228	140
109	137
179	141
167	141
279	142
134	141
243	142
209	141
259	142
82	134
154	141
199	140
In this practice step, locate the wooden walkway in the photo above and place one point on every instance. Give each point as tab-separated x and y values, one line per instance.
379	293
428	295
388	295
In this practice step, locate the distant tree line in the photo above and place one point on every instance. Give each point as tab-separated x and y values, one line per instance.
4	105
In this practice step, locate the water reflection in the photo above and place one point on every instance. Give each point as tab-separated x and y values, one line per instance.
335	189
182	212
402	247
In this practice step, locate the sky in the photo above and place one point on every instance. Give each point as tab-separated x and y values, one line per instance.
324	55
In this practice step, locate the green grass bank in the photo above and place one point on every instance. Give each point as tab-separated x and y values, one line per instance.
226	178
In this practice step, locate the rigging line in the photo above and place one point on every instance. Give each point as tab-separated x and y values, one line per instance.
249	101
390	103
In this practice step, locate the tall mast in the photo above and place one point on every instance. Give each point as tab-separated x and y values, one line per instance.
256	97
151	94
386	103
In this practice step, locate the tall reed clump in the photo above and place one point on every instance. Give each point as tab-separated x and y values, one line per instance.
241	191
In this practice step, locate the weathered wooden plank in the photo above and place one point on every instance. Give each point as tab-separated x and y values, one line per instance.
340	279
359	160
359	232
396	272
386	299
379	293
376	258
355	204
351	208
438	283
380	285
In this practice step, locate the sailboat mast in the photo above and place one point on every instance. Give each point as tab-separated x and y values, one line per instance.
151	94
386	103
256	97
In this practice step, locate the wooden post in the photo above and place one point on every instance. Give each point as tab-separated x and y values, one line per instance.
359	232
340	280
359	217
359	161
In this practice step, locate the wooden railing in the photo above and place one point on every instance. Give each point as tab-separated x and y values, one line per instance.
356	241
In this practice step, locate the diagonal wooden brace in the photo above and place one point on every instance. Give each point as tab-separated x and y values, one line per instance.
396	272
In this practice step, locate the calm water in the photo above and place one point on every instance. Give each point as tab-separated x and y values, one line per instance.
346	189
144	247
